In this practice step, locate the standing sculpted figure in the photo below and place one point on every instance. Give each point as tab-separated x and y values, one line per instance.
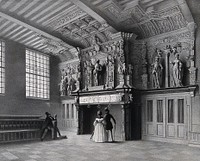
97	73
70	81
89	68
110	71
157	73
177	71
63	84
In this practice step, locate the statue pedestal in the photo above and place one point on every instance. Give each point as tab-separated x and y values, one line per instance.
96	88
129	81
121	82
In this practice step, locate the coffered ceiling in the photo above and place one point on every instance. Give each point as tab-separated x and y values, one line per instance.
57	26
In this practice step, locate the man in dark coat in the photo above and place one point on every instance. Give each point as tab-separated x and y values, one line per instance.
108	123
47	125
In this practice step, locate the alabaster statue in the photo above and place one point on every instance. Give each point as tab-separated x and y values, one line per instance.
97	73
157	72
177	71
63	84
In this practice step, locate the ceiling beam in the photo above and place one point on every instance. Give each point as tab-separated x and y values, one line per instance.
92	13
38	31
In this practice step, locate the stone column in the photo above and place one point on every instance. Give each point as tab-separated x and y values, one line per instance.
80	119
79	123
123	131
166	68
192	71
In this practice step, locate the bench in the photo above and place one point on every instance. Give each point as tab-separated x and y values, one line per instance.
20	127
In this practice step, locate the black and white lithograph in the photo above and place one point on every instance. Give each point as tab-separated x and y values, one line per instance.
99	80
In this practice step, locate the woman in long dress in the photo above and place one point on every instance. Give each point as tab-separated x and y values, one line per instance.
99	130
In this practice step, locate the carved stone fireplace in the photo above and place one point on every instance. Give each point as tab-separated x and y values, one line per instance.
124	105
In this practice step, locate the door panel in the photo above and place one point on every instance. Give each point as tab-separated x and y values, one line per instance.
160	130
170	131
166	117
180	131
150	130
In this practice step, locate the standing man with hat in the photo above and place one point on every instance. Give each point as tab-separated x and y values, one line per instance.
108	123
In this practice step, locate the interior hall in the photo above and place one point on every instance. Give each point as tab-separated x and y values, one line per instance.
67	60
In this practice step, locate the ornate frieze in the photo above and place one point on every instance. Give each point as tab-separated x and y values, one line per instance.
182	35
53	46
76	12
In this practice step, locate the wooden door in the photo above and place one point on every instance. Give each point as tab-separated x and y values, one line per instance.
176	118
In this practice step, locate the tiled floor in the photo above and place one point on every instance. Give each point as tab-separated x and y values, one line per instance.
80	148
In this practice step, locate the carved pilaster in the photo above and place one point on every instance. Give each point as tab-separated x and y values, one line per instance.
166	67
80	119
129	80
121	65
123	135
192	70
110	70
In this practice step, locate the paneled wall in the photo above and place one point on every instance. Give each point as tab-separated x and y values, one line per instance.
167	116
69	115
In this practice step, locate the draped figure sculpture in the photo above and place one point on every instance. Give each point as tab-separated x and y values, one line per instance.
97	73
88	70
63	84
157	73
177	71
110	71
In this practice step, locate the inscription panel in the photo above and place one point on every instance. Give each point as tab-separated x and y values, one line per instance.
100	99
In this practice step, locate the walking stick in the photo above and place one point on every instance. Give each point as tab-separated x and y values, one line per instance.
114	131
92	135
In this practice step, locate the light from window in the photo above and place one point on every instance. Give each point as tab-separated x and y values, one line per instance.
63	111
2	67
171	111
159	111
67	110
180	110
150	110
37	75
72	111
